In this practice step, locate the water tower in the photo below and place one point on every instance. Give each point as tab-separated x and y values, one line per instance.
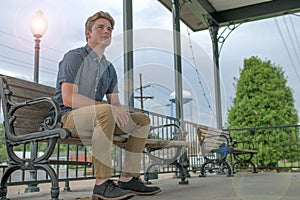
186	98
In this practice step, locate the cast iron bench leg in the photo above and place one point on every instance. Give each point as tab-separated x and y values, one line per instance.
4	179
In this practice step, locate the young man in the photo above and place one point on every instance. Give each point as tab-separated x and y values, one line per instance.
84	78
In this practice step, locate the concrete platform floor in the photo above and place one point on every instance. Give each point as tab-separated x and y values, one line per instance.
243	186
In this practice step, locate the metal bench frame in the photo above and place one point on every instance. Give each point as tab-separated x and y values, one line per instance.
22	101
223	145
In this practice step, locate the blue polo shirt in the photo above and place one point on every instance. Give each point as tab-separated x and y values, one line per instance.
94	77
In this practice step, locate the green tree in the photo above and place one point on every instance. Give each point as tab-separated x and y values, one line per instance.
3	153
263	99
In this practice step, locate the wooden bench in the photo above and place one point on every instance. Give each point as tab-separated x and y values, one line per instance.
25	107
216	145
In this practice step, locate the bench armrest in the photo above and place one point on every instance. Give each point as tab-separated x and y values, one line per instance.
243	144
177	134
49	128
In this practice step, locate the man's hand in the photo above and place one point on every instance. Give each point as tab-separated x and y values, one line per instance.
122	116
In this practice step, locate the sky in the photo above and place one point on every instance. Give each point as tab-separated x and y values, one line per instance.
274	39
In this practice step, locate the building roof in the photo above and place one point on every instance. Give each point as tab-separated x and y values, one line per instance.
200	14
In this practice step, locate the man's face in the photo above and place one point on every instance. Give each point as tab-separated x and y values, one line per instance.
100	34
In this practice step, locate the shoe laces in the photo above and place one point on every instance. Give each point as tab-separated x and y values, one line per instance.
138	180
111	185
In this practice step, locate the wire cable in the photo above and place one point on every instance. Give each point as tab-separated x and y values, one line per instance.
286	48
198	74
29	41
291	39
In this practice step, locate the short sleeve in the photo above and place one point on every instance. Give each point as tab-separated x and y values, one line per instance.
113	88
68	67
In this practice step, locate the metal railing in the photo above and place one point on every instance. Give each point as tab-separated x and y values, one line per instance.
278	146
284	139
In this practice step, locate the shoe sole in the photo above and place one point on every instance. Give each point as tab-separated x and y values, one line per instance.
146	193
99	197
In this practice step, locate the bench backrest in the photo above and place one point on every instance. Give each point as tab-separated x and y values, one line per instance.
28	118
212	139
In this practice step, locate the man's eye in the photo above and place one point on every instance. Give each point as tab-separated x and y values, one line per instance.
102	27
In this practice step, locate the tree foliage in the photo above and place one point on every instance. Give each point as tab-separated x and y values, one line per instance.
3	154
262	99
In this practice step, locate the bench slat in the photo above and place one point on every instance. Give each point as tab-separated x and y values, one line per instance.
243	151
15	83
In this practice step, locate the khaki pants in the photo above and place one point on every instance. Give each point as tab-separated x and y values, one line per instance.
99	121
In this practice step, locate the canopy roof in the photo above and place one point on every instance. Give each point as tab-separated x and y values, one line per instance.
200	14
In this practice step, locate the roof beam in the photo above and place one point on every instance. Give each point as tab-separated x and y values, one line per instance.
257	11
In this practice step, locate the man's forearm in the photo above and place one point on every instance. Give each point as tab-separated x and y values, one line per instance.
78	101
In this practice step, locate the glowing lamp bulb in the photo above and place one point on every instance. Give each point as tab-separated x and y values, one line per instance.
38	24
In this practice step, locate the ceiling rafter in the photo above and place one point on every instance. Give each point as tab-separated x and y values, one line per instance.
195	13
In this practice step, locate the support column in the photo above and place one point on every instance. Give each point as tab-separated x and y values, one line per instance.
183	160
214	36
177	60
128	53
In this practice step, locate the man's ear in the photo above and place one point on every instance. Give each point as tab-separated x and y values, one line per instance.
87	33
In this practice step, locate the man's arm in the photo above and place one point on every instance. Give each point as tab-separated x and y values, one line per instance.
72	99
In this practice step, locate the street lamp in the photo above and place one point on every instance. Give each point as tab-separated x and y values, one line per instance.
38	27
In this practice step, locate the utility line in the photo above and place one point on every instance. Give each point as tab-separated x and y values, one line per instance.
44	69
295	34
286	48
25	52
22	61
15	36
197	72
291	39
159	88
29	41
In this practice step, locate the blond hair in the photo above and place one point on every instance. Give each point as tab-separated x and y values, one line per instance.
101	14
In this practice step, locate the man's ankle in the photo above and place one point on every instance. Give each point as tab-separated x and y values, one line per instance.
125	179
100	181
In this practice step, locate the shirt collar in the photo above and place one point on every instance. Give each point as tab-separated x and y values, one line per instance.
93	54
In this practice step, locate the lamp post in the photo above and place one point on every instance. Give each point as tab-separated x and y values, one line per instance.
38	27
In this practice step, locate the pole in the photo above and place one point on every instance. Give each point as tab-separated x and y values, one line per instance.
214	35
141	92
33	173
177	60
178	76
128	53
36	59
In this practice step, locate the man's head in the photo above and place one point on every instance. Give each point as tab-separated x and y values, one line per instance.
98	15
101	14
